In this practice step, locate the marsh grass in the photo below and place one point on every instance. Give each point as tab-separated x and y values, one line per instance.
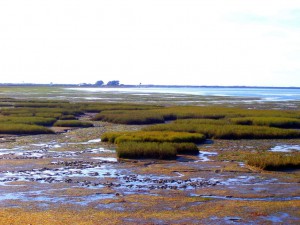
67	117
228	131
38	104
130	117
163	114
186	148
111	136
202	121
42	111
155	150
214	122
138	150
281	122
28	120
152	136
274	161
100	107
6	128
48	115
72	123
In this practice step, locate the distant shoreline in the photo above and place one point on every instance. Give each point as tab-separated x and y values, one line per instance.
135	86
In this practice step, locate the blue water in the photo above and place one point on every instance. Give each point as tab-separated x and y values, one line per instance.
269	94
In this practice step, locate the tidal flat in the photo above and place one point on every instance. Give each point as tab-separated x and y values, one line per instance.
72	177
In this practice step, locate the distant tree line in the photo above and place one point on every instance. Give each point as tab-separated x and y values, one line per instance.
109	83
100	83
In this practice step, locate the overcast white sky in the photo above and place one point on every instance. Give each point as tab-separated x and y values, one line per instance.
188	42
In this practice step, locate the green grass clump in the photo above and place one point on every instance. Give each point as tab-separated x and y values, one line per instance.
228	131
186	148
176	127
38	104
37	111
99	107
23	129
152	136
280	122
28	120
163	114
156	150
48	115
67	117
130	117
111	136
201	121
139	150
274	161
72	123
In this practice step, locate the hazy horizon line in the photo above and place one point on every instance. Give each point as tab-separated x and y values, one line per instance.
138	85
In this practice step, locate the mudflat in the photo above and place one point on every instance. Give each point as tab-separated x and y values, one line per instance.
72	177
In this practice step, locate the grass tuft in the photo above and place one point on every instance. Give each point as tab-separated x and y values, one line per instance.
280	122
138	150
152	136
23	129
274	161
72	123
228	131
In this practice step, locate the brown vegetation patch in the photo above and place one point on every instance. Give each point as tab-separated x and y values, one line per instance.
247	211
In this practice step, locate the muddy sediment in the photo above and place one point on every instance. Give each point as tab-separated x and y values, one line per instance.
75	170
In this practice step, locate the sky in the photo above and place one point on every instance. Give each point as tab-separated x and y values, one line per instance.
179	42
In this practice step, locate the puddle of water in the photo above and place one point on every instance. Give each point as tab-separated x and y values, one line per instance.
179	174
232	220
5	152
203	156
97	150
44	153
98	170
9	196
58	174
22	153
108	159
51	144
40	196
247	199
247	180
241	164
94	141
54	144
277	218
285	148
259	189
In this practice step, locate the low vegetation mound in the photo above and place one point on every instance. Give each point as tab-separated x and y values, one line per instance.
101	107
138	150
152	136
153	144
228	131
23	129
43	121
130	117
155	150
186	148
186	121
274	161
280	122
72	123
67	117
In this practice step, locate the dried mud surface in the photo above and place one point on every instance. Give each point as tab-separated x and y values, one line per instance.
74	178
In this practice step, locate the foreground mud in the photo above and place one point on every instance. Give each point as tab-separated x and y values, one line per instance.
74	178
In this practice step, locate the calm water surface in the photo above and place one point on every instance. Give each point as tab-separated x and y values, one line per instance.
269	94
